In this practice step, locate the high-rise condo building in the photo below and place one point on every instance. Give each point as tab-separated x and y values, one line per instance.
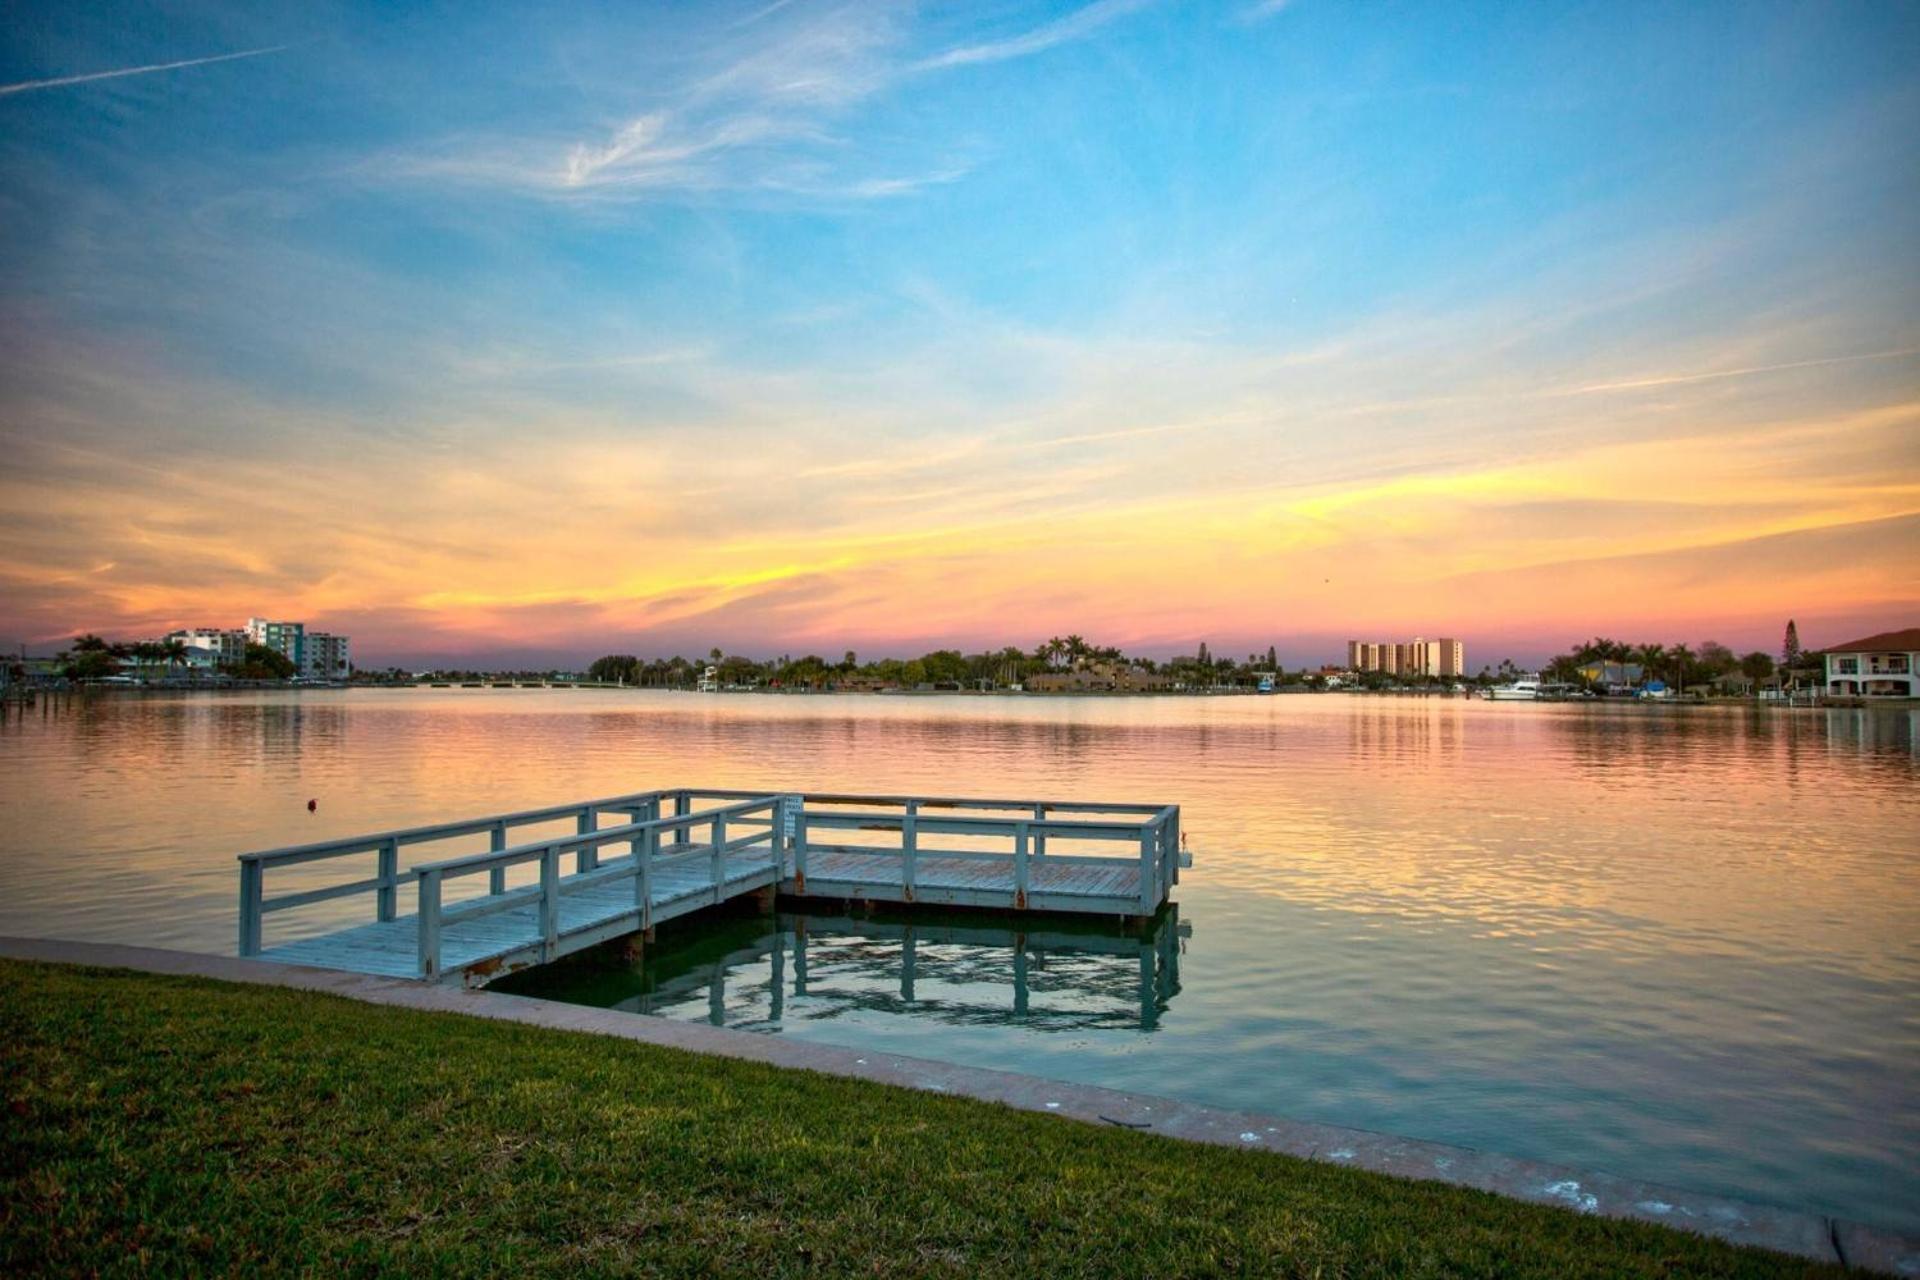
1445	657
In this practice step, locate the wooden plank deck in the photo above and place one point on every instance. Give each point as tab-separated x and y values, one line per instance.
666	865
1054	883
590	913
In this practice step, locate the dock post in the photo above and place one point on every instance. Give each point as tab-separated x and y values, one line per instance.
1174	847
549	901
1149	878
800	845
389	868
647	845
588	856
1020	866
430	924
719	858
1039	837
776	840
909	849
496	841
682	806
1149	870
250	888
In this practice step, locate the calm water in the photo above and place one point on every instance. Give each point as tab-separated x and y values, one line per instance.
1678	945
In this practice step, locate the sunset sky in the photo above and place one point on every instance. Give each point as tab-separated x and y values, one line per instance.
530	333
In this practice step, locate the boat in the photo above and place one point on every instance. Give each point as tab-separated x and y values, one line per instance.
1517	691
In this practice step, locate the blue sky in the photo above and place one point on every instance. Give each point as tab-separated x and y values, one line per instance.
750	322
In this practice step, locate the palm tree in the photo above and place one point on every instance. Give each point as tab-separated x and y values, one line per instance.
1652	659
1683	661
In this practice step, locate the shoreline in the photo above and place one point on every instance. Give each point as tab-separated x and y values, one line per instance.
1850	703
1799	1233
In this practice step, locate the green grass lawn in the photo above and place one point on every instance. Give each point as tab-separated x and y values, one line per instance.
190	1127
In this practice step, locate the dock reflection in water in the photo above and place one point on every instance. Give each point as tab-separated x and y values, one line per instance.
767	973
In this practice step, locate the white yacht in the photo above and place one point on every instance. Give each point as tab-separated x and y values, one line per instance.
1517	691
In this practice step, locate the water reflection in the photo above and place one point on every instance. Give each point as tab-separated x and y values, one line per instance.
1677	943
963	969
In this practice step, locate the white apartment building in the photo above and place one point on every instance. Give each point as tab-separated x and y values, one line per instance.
326	657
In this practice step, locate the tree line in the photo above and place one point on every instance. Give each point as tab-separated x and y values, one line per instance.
992	668
1680	666
92	658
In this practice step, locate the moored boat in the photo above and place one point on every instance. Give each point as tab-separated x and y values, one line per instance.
1516	691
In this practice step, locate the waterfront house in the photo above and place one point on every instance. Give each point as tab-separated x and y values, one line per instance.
1099	677
1878	666
1614	677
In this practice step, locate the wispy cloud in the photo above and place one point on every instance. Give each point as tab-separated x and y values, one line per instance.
763	116
27	86
1075	26
1712	375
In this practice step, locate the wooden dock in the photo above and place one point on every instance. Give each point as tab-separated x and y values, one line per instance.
640	859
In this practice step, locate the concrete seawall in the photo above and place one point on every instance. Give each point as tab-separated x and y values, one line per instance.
1802	1234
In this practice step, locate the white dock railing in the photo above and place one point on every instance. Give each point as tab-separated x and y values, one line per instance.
644	839
777	831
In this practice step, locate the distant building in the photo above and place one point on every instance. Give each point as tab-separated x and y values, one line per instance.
1420	657
1612	675
327	656
210	648
1878	666
288	639
1099	677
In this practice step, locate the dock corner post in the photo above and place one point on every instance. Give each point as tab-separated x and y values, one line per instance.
496	841
250	892
909	848
1173	846
1020	842
389	871
799	845
549	901
430	924
719	867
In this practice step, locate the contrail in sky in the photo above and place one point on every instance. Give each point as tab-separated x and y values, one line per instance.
25	85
